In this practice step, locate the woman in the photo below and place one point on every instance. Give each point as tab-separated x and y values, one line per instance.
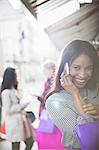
48	69
75	94
14	111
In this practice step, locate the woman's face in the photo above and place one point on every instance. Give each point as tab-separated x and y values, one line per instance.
81	70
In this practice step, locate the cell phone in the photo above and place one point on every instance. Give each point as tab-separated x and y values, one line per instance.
66	68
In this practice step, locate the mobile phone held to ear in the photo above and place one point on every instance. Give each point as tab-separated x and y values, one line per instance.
66	68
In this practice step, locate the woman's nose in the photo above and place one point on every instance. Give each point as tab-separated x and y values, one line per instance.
82	73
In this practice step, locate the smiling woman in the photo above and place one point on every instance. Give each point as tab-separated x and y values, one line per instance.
75	92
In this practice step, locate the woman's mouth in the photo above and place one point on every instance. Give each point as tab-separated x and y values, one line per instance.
80	82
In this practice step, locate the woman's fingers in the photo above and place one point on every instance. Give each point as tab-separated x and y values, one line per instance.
88	105
92	112
96	117
62	79
90	109
65	79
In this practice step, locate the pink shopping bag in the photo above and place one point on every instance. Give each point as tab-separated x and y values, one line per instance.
2	128
49	141
2	132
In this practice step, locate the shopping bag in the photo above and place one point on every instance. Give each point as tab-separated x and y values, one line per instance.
46	124
47	141
2	128
88	135
2	131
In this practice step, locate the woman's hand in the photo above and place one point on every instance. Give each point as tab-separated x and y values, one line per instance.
92	109
68	85
25	105
23	112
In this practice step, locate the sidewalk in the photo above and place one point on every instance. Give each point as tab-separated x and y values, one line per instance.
5	145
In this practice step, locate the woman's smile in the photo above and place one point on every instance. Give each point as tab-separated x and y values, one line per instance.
80	82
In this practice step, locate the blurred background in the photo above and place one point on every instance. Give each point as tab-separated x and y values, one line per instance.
33	31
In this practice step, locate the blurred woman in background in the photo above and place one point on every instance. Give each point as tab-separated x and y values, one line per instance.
49	68
15	114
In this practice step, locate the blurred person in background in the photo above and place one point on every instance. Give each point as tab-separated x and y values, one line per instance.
15	115
49	68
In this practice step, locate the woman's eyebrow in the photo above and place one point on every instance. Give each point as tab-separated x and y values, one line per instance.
76	65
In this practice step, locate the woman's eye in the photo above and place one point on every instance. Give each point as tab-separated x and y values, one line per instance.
76	67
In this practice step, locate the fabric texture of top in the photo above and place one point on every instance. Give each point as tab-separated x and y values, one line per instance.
64	114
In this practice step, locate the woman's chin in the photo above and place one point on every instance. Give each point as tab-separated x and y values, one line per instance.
80	86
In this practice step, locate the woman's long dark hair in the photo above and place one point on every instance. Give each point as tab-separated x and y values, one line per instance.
9	79
73	50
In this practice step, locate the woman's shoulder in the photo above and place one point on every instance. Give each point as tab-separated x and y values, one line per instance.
60	95
59	99
6	91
